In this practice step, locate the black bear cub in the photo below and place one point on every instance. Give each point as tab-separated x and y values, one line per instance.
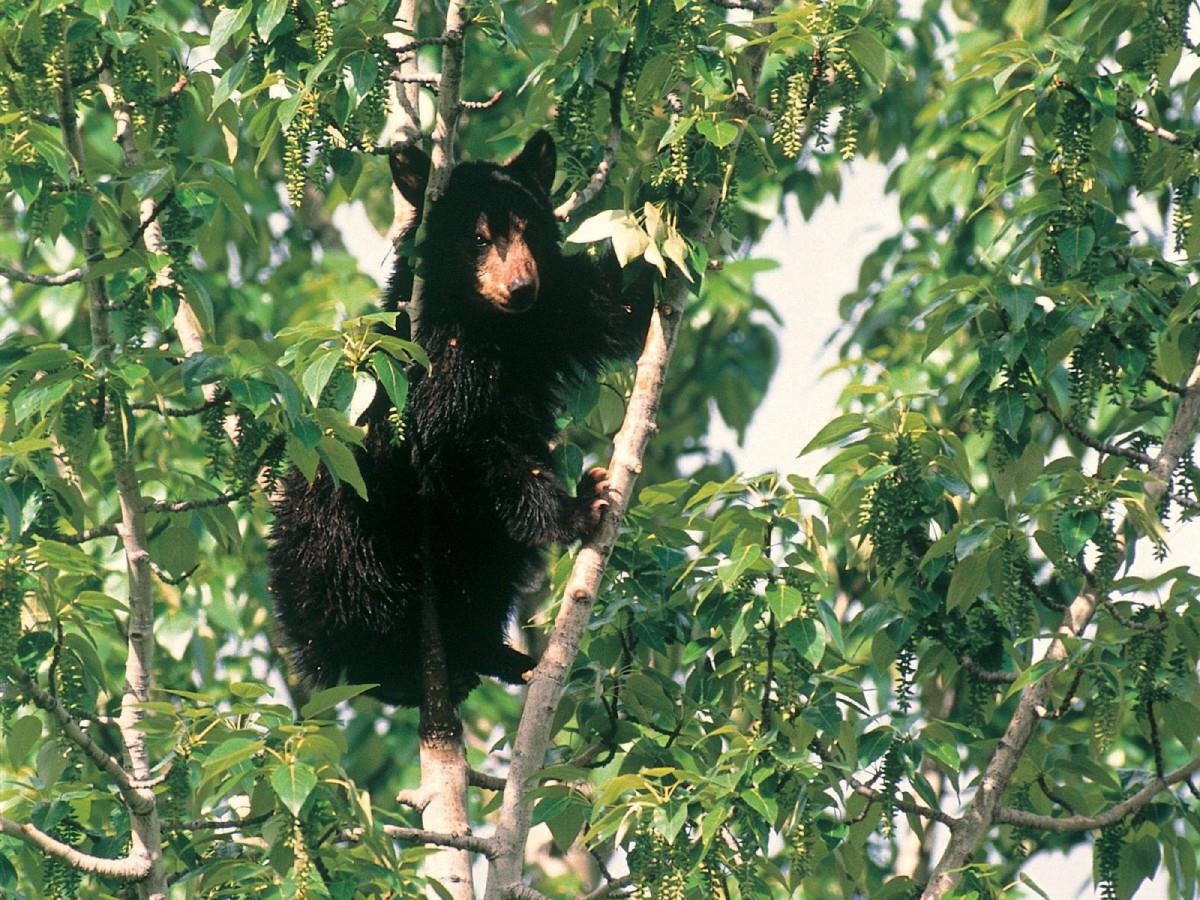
508	321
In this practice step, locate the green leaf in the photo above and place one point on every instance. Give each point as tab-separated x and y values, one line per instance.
1075	527
270	14
316	376
393	379
361	72
969	580
24	733
841	427
331	697
719	134
177	550
1074	245
227	23
731	569
293	782
342	465
868	51
1010	411
365	387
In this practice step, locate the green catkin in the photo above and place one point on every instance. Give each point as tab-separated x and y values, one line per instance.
1106	713
1109	559
1108	859
1145	653
847	134
1073	150
656	868
322	30
893	770
906	667
296	142
72	692
791	103
1089	372
212	421
11	600
801	840
62	879
892	507
369	117
1181	212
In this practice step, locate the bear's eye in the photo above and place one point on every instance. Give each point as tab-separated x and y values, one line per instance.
481	240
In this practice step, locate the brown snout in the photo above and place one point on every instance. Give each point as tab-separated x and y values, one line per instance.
508	276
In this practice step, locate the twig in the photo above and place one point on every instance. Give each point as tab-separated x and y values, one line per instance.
223	824
482	104
595	184
752	5
1095	443
609	887
133	794
1155	786
181	412
429	79
173	580
133	867
68	277
1052	794
176	89
467	842
1163	383
435	41
986	675
485	781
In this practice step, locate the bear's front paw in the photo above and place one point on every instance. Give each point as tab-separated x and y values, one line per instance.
592	499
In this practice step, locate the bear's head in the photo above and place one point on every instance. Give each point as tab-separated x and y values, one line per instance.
492	237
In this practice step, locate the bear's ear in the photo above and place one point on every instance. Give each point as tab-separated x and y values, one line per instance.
537	161
410	173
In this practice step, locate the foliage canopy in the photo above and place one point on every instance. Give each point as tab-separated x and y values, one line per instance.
788	680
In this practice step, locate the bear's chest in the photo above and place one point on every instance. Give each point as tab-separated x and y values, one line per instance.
473	391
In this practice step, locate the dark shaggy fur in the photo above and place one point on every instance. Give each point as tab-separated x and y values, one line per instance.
507	321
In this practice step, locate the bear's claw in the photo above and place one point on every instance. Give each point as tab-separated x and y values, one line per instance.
593	499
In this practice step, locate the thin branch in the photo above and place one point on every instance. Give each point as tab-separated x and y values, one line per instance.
1096	444
180	412
1044	783
752	5
608	888
440	40
1155	786
223	824
68	277
599	178
468	842
986	675
485	781
176	89
133	795
167	578
128	868
429	79
905	805
519	891
178	506
481	104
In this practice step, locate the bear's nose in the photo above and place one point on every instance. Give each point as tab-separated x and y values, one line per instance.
522	293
